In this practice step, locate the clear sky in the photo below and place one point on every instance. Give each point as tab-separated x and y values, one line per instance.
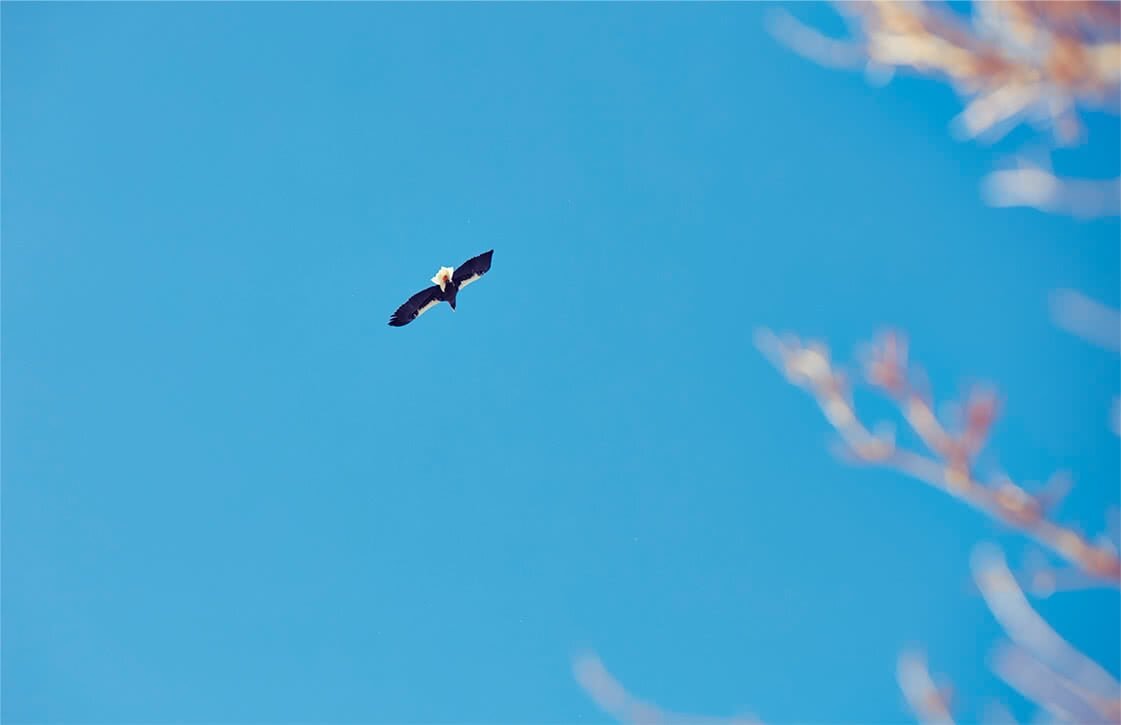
232	493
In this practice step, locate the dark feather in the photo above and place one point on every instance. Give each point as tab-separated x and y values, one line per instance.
472	269
415	305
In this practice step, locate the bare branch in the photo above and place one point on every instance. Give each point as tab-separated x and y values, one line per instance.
929	703
948	467
1059	696
1044	580
810	44
1015	59
997	713
613	698
1082	677
1094	322
1032	186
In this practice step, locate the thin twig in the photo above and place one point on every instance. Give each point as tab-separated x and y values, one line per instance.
615	700
930	703
1074	674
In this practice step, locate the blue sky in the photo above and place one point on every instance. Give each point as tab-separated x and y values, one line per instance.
231	493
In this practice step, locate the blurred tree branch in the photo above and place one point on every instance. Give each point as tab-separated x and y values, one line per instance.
613	698
1039	662
1014	61
949	463
930	703
1034	186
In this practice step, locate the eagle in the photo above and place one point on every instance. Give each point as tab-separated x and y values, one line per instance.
448	283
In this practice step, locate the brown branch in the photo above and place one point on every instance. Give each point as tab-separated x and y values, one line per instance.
949	465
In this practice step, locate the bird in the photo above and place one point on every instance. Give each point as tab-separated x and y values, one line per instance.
447	284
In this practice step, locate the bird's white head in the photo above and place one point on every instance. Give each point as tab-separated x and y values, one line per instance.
443	277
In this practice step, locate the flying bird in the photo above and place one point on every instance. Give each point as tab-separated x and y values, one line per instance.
448	283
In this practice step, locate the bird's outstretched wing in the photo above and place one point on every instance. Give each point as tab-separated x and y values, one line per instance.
472	269
416	306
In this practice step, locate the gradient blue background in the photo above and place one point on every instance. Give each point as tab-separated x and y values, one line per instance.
231	493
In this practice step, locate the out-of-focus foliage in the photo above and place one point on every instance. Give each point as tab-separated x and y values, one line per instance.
1013	61
1037	662
1039	62
949	463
